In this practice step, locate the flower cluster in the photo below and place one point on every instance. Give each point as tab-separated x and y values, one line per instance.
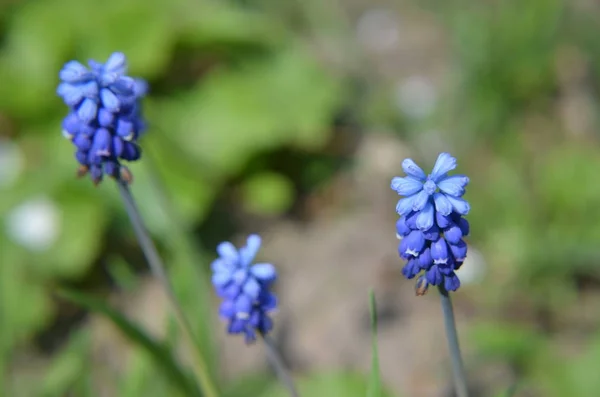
247	300
431	225
105	118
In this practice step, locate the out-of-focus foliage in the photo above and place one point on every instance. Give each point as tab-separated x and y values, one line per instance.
524	107
228	83
233	82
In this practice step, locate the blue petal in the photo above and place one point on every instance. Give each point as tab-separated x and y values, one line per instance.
112	168
140	87
125	129
96	173
102	143
412	169
109	100
446	268
125	86
82	157
105	118
406	186
454	185
425	260
405	205
461	206
240	275
268	301
264	272
464	226
95	65
248	252
74	72
412	245
243	306
459	250
425	217
439	251
107	79
442	204
433	233
451	282
82	142
219	279
226	250
411	220
266	324
231	291
118	146
131	151
411	269
222	265
87	130
453	234
237	326
444	163
421	199
443	221
70	94
401	228
251	288
227	309
434	276
71	124
87	110
255	318
116	63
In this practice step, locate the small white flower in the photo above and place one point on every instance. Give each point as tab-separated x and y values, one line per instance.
34	224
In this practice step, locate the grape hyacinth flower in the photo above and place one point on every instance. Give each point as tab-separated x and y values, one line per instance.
247	300
104	119
431	225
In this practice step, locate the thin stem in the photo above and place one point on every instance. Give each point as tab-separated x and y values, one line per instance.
460	380
158	270
277	362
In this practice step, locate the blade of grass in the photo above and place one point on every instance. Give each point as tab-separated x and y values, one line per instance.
159	353
374	388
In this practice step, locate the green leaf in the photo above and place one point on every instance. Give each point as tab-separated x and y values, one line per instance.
374	389
510	392
327	384
163	358
278	100
68	368
268	193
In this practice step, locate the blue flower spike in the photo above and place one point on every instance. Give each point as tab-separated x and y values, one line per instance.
245	288
431	225
105	117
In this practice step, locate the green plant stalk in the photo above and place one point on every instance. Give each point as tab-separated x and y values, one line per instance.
158	270
458	370
374	388
277	362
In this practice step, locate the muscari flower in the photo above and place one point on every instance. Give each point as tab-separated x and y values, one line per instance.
245	289
431	225
105	117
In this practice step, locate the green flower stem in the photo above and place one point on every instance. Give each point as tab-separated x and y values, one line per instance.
277	362
460	380
158	270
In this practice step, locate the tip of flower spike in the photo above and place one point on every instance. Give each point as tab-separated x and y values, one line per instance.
126	175
82	171
421	286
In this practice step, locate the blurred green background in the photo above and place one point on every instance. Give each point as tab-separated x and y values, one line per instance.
260	112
